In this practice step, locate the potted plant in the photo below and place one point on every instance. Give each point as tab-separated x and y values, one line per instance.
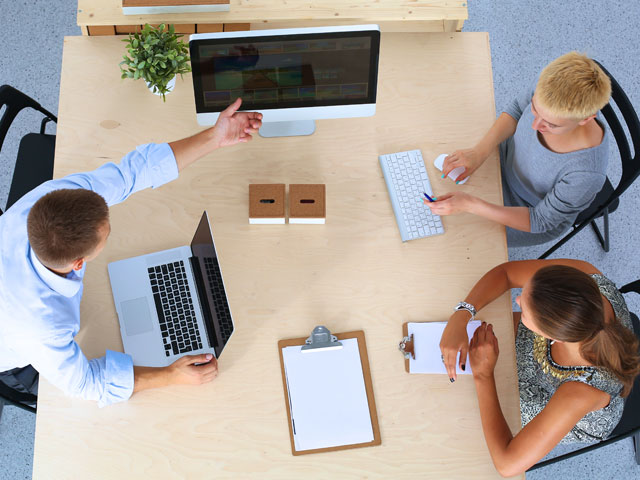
157	55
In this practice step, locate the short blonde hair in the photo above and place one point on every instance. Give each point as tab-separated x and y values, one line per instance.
573	86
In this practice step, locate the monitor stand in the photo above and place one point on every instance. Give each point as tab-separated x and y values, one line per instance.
287	129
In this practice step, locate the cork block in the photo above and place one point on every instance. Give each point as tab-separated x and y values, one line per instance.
307	203
266	203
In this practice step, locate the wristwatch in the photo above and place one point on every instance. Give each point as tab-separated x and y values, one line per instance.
468	307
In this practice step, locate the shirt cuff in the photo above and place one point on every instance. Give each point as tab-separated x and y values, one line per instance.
118	378
164	168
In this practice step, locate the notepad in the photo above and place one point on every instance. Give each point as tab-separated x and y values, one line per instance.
426	345
327	397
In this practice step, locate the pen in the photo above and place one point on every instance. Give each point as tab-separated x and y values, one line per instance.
429	198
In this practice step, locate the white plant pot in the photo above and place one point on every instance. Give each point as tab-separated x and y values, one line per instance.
170	86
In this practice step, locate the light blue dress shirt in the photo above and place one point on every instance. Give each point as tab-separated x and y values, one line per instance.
40	311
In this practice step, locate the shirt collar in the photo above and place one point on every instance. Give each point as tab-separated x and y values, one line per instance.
66	286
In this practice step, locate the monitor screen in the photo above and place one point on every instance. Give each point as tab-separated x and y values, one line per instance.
286	71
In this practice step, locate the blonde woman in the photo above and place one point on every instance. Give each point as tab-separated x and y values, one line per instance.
553	154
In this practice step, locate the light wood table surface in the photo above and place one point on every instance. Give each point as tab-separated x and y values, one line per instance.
392	15
435	93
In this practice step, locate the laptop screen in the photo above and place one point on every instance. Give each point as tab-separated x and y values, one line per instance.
211	289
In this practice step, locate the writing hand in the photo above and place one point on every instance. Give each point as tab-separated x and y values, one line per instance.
454	339
450	203
483	351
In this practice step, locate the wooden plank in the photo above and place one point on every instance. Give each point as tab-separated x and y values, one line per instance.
209	27
453	25
431	26
236	27
126	29
109	12
184	28
171	3
97	30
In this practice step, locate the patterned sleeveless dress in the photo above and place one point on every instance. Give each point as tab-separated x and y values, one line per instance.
539	376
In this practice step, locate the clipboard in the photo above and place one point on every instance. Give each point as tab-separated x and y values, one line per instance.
408	345
366	372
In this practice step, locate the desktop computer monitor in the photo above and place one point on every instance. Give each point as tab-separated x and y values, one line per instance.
292	76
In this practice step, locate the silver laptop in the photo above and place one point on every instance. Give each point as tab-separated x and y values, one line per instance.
172	303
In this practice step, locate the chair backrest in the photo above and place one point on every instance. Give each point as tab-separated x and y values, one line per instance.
630	164
17	399
14	101
630	419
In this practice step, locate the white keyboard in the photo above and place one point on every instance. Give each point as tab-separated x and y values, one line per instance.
407	181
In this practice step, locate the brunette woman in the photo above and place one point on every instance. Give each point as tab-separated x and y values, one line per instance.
576	352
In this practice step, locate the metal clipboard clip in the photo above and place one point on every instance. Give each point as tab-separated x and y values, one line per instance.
321	339
406	347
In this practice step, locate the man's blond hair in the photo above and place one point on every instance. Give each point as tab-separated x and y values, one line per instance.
573	86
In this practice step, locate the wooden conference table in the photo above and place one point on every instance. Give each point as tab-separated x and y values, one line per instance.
435	93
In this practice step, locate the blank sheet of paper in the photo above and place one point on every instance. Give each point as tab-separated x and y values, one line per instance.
426	345
327	397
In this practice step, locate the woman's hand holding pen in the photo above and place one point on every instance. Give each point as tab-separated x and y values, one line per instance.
483	352
451	203
454	339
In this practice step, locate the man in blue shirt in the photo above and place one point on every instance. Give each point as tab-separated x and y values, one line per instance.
46	240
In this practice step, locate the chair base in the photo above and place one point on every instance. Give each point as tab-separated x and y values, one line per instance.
602	239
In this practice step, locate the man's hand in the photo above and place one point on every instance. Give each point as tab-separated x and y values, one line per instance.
184	371
454	339
235	127
232	127
451	203
483	351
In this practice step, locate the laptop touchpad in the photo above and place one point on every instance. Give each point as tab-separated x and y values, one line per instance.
136	316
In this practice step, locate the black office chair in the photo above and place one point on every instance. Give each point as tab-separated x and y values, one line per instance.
9	396
34	163
607	200
629	424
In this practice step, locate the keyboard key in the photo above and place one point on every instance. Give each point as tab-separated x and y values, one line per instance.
176	316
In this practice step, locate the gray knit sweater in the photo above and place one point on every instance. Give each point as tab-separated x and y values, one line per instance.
555	186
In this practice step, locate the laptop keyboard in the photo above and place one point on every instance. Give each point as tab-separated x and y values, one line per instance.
219	296
175	308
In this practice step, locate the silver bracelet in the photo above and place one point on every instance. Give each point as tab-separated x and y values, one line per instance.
468	307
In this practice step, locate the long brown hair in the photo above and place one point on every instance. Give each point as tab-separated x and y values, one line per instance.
568	306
